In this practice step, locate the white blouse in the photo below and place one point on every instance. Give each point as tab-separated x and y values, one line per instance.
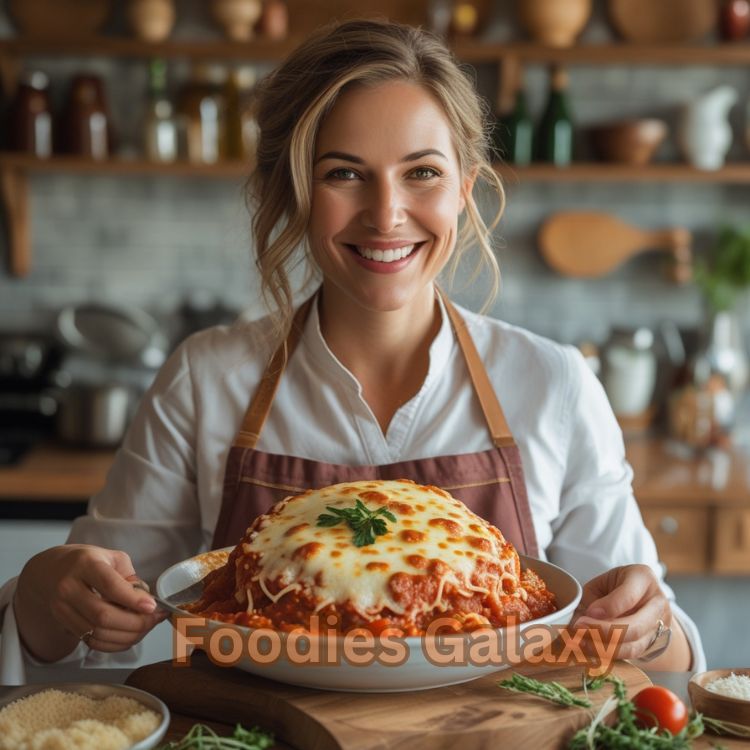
163	492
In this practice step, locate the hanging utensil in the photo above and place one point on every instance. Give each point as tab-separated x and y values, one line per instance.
587	244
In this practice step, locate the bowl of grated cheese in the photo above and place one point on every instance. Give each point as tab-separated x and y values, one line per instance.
722	694
81	716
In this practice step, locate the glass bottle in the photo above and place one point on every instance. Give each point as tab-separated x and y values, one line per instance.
30	118
240	135
160	126
87	127
202	112
514	131
555	135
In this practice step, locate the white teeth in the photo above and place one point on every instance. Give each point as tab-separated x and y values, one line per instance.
384	256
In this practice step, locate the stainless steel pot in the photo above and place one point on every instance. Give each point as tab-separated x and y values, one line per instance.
94	416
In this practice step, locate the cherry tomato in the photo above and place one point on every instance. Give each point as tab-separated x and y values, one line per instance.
658	707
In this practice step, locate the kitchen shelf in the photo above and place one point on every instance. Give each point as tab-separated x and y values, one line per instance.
508	56
15	168
737	173
473	50
77	164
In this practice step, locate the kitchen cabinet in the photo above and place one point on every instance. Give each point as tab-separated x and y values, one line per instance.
696	507
507	57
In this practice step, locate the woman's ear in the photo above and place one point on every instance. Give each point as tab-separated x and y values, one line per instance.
467	185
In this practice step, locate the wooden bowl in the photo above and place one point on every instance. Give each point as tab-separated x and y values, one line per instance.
628	141
718	706
72	19
649	22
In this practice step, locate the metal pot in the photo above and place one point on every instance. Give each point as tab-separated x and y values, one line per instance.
94	416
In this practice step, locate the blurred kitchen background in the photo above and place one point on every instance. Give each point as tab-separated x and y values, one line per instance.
624	129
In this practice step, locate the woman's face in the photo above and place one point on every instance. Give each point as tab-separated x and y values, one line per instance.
387	193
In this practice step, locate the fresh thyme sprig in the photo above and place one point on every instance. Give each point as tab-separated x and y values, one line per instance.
551	691
202	737
365	523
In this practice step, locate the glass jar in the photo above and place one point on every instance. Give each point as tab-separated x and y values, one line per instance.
630	370
240	126
30	117
202	114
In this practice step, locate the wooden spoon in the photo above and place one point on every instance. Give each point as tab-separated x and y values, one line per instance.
586	244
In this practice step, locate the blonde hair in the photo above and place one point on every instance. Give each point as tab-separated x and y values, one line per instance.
293	100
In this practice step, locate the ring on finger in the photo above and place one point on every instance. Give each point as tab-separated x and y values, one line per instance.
659	642
87	636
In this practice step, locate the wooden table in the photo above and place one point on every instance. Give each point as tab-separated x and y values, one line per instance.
676	681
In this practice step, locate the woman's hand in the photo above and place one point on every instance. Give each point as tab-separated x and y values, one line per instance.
69	591
631	596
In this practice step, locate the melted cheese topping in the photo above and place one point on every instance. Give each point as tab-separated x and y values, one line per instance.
434	535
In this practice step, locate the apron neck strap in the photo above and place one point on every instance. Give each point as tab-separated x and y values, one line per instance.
493	412
260	406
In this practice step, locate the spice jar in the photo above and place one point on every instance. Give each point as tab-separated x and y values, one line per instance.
30	118
86	122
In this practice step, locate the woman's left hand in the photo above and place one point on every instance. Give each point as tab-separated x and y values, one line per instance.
626	596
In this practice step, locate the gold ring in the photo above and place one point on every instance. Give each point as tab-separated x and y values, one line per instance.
87	636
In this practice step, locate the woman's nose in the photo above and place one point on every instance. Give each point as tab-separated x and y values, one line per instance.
384	210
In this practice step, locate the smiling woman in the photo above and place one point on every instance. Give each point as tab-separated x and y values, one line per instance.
387	194
394	115
372	141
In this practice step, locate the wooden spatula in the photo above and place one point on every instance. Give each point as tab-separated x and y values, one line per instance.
587	244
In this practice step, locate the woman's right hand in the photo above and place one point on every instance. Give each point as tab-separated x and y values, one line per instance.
68	591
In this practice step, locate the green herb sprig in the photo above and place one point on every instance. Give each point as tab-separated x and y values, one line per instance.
625	734
365	523
551	691
202	737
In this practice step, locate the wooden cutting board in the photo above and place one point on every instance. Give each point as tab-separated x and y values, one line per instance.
472	716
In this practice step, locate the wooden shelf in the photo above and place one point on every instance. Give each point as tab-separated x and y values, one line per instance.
599	172
15	168
737	173
607	54
475	51
77	164
125	47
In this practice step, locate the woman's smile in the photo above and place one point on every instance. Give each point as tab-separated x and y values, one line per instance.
386	257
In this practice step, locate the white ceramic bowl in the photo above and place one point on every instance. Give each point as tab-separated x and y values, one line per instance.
420	669
99	692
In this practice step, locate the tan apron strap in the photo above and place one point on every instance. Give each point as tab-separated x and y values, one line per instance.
260	406
493	412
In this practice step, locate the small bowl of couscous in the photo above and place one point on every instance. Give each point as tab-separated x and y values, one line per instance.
81	716
722	694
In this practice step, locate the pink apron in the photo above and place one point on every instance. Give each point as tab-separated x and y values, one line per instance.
490	483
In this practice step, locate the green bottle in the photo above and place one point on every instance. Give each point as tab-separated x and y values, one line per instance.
554	142
513	133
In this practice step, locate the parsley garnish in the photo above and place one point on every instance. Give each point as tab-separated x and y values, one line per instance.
361	520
